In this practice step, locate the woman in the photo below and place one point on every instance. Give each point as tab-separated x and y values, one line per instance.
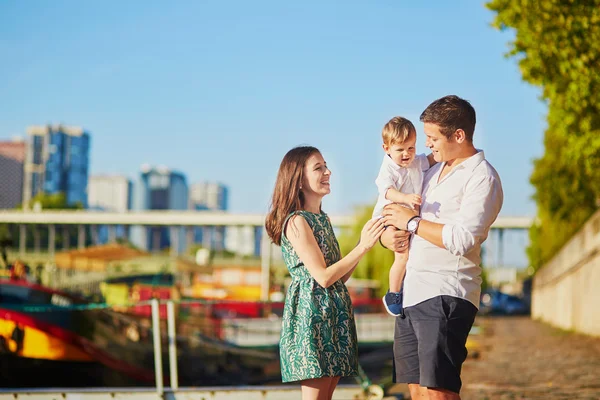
318	342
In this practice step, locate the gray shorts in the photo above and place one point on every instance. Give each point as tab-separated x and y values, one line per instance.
430	342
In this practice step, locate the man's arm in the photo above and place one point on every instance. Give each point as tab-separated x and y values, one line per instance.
480	207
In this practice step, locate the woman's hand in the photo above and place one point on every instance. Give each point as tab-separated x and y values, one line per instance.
370	233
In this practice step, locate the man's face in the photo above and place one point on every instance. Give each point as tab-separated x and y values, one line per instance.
443	148
402	153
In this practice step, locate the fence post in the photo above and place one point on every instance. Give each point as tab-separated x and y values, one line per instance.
172	345
158	372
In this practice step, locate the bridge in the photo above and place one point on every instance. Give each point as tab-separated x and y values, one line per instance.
183	218
175	221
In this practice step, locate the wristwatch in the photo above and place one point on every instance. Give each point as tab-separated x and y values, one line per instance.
413	224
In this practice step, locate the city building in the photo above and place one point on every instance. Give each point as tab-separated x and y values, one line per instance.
243	240
12	159
109	193
211	196
57	160
159	189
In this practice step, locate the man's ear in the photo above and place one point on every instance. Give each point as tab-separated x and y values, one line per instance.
459	136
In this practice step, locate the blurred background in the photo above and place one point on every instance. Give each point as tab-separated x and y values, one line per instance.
139	144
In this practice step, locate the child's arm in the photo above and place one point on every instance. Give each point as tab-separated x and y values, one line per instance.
407	198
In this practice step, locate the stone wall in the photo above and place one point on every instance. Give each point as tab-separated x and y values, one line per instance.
566	291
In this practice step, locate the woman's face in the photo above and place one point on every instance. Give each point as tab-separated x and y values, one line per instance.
316	176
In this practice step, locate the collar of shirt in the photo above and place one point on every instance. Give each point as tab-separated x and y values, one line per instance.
387	160
470	163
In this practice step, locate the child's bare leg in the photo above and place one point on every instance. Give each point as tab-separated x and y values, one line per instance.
397	271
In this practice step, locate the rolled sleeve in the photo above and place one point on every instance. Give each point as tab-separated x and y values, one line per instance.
479	209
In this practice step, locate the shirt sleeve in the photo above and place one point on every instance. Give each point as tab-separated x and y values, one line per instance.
479	209
423	162
387	178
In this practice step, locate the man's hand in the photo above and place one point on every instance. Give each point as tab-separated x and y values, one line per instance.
396	240
397	215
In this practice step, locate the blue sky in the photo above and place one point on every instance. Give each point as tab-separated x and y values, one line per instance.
220	90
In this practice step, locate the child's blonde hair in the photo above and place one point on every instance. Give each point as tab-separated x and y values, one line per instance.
397	130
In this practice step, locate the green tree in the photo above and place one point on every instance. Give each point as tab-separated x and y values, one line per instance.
557	45
56	201
377	262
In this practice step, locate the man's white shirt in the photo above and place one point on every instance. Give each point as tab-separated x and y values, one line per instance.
467	201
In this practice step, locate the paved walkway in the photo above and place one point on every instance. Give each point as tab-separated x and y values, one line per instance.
524	359
517	359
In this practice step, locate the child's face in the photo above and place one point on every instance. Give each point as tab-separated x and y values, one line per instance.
402	153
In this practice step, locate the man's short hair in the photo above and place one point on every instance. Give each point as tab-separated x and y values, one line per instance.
451	113
397	130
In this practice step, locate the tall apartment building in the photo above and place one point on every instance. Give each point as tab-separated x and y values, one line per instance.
57	160
158	189
12	159
109	193
214	197
209	196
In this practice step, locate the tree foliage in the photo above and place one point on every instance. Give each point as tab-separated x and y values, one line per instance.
377	262
56	201
557	45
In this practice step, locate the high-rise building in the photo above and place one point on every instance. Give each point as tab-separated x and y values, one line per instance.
109	193
158	189
57	160
209	196
243	240
214	197
12	158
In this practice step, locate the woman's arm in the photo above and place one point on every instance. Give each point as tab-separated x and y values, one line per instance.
304	243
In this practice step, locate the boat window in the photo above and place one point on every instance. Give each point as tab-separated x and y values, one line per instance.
10	294
59	300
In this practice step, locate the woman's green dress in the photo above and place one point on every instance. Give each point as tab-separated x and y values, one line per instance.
318	335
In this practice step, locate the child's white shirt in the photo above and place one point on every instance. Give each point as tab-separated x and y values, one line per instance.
404	179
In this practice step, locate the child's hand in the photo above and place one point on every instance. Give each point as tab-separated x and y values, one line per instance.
413	199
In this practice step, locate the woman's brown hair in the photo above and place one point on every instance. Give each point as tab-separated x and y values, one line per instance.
287	196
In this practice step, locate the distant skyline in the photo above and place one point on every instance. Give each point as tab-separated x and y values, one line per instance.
221	90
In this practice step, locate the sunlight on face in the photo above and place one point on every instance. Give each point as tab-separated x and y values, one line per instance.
402	153
443	149
316	176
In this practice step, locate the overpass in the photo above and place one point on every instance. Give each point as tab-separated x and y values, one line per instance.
175	221
182	218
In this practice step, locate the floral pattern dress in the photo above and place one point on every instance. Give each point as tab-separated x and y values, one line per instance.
318	335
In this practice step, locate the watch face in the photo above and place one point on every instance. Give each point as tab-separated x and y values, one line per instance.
412	225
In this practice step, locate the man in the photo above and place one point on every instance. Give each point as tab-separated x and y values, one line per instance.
462	196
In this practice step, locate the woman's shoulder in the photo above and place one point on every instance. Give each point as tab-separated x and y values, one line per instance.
297	220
